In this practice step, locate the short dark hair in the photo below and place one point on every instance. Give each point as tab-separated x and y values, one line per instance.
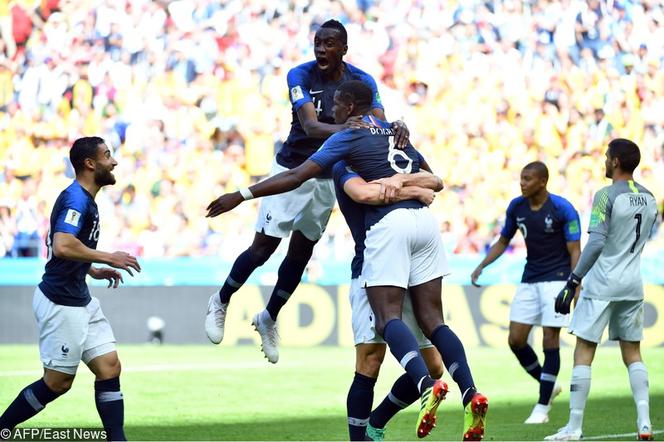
357	93
333	24
83	148
627	152
539	167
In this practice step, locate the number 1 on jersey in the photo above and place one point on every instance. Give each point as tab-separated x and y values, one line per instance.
638	218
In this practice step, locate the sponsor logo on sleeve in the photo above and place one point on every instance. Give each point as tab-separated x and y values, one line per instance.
72	217
296	93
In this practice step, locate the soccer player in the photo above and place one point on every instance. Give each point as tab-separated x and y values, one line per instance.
352	195
403	249
71	325
622	217
304	211
550	226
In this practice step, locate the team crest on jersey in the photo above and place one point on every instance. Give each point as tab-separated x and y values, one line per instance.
548	223
296	94
72	217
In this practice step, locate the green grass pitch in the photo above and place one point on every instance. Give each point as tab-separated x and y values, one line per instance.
231	393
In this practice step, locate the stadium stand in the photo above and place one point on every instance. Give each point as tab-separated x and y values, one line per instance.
192	95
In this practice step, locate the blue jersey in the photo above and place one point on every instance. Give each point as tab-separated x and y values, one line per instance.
353	214
74	212
372	154
546	232
307	85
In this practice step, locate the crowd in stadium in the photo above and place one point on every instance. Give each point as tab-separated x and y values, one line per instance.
192	95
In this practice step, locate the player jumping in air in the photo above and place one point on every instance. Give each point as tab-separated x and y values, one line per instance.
550	226
403	249
304	211
72	327
622	217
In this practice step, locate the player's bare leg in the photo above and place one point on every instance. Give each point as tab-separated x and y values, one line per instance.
638	380
368	359
33	398
428	309
255	256
300	249
108	397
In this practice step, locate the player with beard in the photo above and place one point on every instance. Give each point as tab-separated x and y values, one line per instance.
304	211
72	326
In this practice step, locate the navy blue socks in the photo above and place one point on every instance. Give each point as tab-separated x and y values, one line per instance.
549	374
30	401
242	268
403	346
454	357
403	393
290	275
110	407
358	405
528	360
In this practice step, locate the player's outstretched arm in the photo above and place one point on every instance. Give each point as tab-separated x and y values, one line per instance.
279	183
67	246
497	249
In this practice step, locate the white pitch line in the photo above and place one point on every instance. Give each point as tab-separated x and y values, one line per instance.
616	436
167	367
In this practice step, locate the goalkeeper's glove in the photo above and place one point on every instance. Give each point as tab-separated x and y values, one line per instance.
566	295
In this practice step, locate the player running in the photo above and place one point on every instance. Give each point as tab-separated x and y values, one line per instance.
550	226
304	211
403	249
352	195
72	327
622	217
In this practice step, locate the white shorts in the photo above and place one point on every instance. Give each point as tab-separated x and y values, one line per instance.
534	304
68	335
306	209
364	324
404	249
624	318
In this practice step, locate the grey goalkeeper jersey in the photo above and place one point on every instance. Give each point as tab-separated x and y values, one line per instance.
624	213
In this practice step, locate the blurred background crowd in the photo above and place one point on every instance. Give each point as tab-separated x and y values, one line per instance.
192	96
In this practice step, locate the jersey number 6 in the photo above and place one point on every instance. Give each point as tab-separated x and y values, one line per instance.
393	153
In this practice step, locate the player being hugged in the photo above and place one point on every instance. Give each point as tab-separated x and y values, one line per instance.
621	220
403	250
550	227
306	210
72	327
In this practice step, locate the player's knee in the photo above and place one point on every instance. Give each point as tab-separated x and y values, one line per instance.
630	357
370	365
114	369
429	325
516	343
260	254
550	342
436	369
59	386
